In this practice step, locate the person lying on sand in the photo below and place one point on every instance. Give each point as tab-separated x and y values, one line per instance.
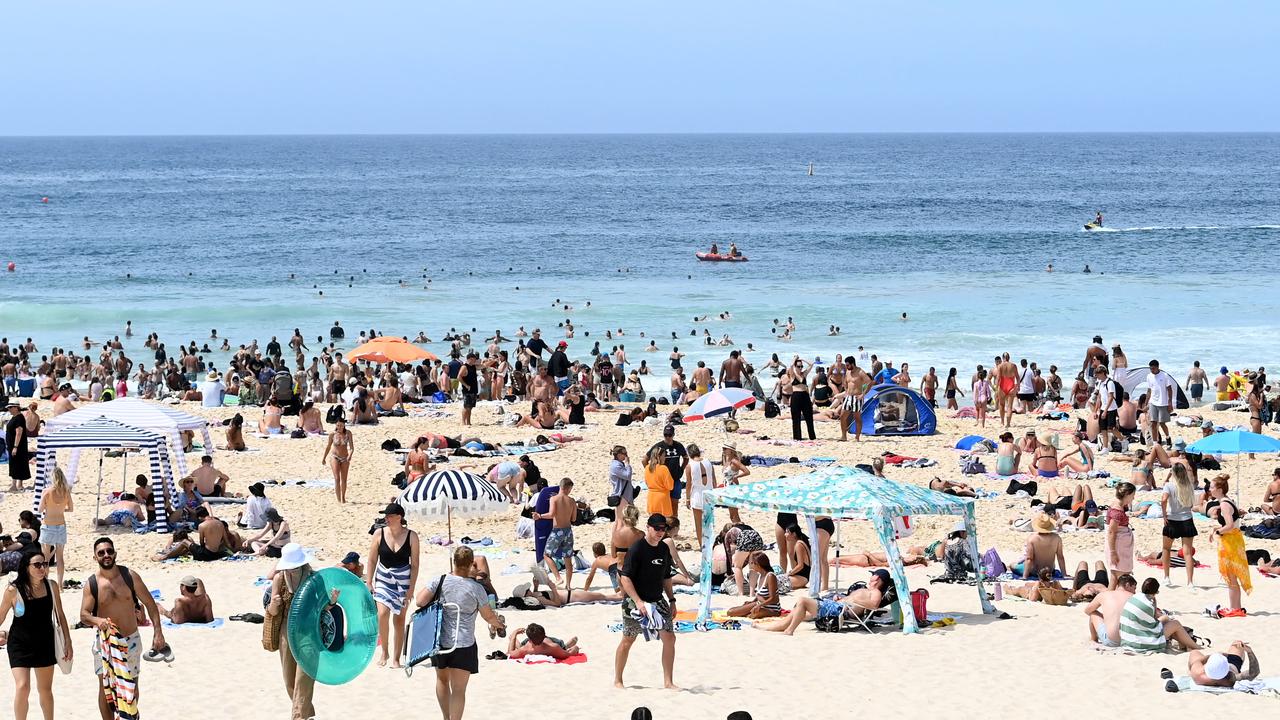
949	487
126	512
1044	589
536	642
557	597
1223	669
915	555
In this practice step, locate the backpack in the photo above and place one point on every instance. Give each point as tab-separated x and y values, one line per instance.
391	445
992	565
771	409
335	413
971	465
128	580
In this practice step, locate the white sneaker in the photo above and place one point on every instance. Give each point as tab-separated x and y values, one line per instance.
1167	583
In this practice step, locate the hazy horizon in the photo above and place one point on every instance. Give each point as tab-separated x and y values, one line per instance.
154	68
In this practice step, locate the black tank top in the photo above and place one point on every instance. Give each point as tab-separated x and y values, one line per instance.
470	382
389	558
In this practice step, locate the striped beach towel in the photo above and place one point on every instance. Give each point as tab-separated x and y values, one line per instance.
390	586
1139	628
119	684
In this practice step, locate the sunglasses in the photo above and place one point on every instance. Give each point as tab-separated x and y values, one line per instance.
106	552
662	528
40	565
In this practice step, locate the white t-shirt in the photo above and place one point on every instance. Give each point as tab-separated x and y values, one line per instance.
212	393
1027	382
255	512
1106	398
1161	385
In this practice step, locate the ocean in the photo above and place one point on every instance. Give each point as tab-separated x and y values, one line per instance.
403	234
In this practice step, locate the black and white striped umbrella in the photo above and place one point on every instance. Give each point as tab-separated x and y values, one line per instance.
451	492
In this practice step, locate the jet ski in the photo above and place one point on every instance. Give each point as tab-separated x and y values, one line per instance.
1092	225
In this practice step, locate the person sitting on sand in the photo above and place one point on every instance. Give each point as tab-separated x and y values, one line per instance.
1223	669
126	511
192	605
234	433
1078	459
1271	495
209	481
1146	628
542	416
860	603
682	574
179	546
214	540
1106	609
1008	456
273	537
310	420
536	642
801	557
604	562
416	462
189	501
1042	549
270	422
769	585
351	563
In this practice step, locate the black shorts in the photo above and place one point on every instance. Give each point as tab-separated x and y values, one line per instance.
1108	420
787	519
469	401
463	658
826	524
272	551
1026	397
337	386
1176	529
201	553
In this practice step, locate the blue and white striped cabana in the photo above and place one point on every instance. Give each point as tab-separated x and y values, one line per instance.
163	420
105	434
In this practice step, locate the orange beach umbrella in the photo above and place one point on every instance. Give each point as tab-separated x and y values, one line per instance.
390	349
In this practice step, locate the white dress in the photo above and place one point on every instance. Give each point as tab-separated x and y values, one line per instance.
701	477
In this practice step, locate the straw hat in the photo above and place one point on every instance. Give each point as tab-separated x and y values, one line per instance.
293	556
1043	524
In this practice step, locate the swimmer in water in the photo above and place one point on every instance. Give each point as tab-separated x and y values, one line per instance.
1086	269
904	317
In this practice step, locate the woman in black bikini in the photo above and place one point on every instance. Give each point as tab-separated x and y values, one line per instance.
800	557
952	389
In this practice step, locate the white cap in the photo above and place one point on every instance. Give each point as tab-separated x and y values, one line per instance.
1216	666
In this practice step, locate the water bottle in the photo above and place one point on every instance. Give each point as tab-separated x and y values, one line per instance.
19	609
999	591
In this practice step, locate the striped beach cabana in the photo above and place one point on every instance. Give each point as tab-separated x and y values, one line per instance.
105	434
166	421
840	492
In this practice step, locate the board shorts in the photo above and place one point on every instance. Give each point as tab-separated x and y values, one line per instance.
560	543
631	626
469	400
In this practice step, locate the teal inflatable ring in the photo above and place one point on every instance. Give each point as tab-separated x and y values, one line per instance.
333	644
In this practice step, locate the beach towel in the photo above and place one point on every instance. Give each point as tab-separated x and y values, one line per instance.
213	624
968	441
1259	686
762	461
1139	628
548	660
120	686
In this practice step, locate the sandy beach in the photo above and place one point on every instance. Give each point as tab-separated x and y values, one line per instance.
1042	655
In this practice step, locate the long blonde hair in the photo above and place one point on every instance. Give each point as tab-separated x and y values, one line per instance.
1182	481
59	486
655	458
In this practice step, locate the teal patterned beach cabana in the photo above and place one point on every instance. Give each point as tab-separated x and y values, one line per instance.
840	492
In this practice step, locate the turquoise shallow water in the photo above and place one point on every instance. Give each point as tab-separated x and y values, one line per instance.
954	230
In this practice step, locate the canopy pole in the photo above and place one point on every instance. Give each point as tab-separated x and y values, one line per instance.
971	529
708	555
124	474
828	570
816	573
97	501
884	528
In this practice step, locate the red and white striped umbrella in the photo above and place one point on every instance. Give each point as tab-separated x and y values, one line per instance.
719	402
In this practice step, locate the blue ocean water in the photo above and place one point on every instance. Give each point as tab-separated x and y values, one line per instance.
184	234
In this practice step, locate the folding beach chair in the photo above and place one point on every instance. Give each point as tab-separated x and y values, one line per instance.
863	617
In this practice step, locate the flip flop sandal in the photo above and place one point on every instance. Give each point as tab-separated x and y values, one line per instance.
164	654
466	540
1166	674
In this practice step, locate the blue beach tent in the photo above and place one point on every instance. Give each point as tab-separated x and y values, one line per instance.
894	410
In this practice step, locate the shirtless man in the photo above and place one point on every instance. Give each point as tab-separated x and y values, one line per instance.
192	604
1094	356
1006	385
1196	380
537	643
214	539
561	512
702	379
109	601
541	386
856	384
731	371
338	372
1105	609
1222	670
210	481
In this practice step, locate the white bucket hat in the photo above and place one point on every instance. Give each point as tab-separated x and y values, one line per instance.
293	556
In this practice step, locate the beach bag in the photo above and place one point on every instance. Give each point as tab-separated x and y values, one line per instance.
439	397
1053	595
992	565
391	445
971	465
271	623
920	605
298	433
425	630
335	414
59	642
771	409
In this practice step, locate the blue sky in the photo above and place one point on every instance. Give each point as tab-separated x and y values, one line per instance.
282	66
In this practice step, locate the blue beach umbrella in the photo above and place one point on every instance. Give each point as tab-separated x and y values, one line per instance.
719	402
1235	442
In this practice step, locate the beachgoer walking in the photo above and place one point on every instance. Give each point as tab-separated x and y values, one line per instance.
391	575
649	606
32	639
342	445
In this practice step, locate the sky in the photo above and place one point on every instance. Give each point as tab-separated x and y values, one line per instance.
145	67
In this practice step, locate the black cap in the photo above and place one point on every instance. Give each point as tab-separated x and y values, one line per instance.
669	430
392	509
351	558
273	515
658	520
885	578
